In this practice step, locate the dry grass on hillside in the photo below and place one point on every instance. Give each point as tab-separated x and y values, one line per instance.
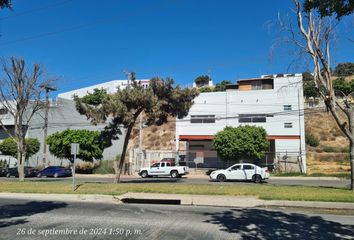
322	125
155	137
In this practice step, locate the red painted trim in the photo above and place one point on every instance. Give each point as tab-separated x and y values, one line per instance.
211	137
195	137
288	137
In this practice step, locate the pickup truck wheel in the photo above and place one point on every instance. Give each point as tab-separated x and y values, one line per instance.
257	178
144	174
221	178
174	174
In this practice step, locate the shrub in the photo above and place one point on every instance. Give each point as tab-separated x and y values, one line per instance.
85	167
104	167
330	149
311	140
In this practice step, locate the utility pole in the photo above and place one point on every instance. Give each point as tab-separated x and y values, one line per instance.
45	128
300	147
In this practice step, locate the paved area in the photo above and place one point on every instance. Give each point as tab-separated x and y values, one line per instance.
182	199
202	179
28	219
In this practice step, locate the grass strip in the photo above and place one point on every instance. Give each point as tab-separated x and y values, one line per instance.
263	191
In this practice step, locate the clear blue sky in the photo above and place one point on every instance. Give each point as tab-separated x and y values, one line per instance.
88	42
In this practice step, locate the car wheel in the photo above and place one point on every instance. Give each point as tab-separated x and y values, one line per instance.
257	178
39	175
8	175
221	178
144	174
55	175
174	174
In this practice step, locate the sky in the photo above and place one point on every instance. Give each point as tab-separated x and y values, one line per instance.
87	42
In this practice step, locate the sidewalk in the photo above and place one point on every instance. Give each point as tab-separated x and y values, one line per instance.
193	200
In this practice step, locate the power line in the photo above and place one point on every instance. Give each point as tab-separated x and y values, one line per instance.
35	10
78	27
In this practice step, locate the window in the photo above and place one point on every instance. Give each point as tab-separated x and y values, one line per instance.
237	167
288	125
168	165
252	118
3	111
256	85
248	167
162	164
202	118
287	108
156	165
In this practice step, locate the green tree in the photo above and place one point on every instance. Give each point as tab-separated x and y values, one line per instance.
121	109
341	87
202	80
205	89
5	4
95	98
344	69
9	147
241	143
221	87
327	8
91	144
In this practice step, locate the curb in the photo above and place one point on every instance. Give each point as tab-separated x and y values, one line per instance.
95	198
179	199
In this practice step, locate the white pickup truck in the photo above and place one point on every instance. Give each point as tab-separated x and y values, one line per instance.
163	169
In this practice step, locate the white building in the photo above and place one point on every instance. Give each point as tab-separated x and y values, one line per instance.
110	87
275	103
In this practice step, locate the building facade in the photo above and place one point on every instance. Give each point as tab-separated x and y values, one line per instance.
275	103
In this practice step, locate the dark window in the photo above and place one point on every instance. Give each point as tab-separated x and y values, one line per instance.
288	125
162	164
287	108
156	165
256	85
3	111
202	118
248	167
237	167
168	165
253	118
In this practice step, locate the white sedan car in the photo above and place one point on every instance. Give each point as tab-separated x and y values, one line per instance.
241	171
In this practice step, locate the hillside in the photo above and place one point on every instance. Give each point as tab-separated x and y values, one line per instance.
331	156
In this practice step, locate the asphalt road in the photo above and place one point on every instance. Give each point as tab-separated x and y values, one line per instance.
202	180
21	219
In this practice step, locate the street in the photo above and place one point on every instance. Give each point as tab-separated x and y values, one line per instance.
199	180
21	219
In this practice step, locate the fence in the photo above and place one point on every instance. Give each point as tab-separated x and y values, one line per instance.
279	161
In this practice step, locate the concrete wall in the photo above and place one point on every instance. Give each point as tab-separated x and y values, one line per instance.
63	115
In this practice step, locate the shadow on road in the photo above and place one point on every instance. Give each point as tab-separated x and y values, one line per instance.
153	180
262	224
9	211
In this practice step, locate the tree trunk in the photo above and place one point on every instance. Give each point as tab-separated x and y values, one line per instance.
119	166
20	161
351	158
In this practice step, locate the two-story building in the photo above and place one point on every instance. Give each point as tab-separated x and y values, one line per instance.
273	102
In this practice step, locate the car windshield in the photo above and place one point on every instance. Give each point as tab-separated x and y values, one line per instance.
156	165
